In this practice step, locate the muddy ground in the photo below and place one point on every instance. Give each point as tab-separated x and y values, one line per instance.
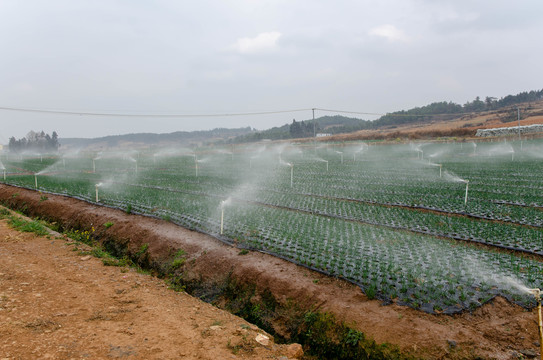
498	330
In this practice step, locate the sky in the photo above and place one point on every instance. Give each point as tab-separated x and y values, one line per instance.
194	58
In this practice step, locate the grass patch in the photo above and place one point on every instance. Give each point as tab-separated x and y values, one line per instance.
328	338
23	225
4	213
108	224
175	270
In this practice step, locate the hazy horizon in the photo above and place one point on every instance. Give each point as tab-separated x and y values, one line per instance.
242	56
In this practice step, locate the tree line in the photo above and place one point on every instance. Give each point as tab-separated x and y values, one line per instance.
35	141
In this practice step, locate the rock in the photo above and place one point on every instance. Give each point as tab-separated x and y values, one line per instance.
262	340
294	351
528	352
452	343
85	258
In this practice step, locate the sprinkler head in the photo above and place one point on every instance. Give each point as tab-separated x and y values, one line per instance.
535	292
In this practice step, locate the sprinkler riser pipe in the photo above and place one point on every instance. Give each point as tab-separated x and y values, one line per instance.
36	181
291	175
537	293
222	219
96	188
540	326
466	198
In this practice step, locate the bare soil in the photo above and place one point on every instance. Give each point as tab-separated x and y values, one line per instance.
55	303
464	126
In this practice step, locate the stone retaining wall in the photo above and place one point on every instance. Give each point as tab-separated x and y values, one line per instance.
529	129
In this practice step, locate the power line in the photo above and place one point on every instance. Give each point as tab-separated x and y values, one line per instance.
180	115
350	112
85	113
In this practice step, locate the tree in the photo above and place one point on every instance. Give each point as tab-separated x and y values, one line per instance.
35	141
490	102
295	129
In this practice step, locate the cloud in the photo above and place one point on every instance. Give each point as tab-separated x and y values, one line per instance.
263	42
389	32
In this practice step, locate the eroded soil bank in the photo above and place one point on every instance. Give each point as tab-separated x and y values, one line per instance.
498	330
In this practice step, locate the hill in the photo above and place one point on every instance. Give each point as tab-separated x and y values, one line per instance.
504	109
418	122
139	140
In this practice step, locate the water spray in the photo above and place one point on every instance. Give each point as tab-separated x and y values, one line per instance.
196	164
93	166
537	294
339	152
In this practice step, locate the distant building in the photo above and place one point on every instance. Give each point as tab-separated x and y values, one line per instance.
323	135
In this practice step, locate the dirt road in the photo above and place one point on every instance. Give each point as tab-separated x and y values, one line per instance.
58	303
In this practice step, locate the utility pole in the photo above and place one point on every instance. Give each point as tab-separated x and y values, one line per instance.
314	131
518	119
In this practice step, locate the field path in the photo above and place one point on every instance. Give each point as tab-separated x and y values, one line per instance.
58	304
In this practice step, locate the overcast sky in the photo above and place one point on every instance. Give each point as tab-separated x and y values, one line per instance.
243	56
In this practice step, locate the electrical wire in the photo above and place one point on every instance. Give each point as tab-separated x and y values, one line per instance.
84	113
154	115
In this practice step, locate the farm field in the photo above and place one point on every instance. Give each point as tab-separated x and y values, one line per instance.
443	228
